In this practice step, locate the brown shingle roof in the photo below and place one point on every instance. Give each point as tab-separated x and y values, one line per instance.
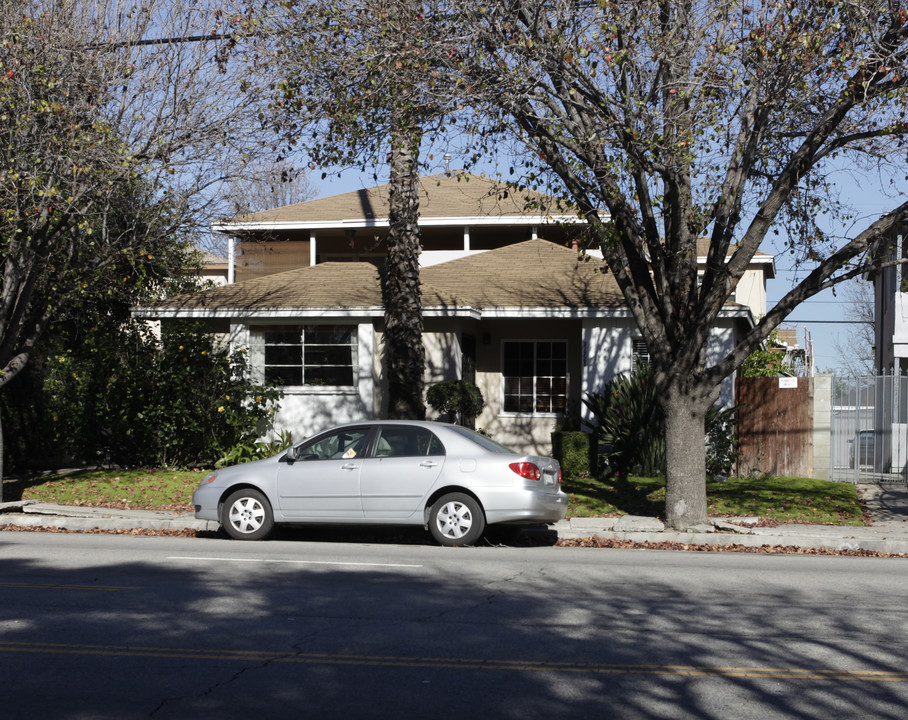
535	273
455	195
341	285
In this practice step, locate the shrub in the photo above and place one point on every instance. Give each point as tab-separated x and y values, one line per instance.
630	423
179	402
721	442
457	398
575	450
247	452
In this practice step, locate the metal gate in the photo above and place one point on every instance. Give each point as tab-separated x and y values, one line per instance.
869	429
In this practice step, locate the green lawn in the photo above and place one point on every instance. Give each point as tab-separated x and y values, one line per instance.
140	489
781	499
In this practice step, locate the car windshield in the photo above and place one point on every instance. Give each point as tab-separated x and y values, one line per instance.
483	441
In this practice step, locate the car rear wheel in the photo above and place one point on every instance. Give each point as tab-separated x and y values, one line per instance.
456	519
247	515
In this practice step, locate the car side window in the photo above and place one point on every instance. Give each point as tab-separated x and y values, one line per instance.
334	446
403	441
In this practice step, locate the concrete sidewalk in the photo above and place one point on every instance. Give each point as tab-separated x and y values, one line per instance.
887	505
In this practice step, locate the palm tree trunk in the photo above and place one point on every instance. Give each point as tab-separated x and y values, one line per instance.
404	354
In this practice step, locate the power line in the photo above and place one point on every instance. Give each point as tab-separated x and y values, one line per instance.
827	322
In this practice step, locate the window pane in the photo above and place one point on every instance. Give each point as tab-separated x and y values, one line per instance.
329	334
340	444
291	336
283	355
284	375
309	355
329	376
321	355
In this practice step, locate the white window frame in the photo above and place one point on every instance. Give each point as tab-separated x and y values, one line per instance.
257	337
536	377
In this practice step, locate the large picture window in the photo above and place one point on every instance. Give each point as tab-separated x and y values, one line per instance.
320	355
535	377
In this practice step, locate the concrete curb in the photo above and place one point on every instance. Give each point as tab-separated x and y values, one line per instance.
68	517
887	537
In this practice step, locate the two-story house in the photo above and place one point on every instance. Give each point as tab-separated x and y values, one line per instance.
508	303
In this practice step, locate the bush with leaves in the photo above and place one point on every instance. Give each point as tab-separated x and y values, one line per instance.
631	425
721	441
765	361
182	401
457	398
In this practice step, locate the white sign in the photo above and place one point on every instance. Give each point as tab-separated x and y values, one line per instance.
788	382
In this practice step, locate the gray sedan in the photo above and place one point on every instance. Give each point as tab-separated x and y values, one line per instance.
444	477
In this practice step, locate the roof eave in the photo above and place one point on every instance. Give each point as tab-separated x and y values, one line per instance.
453	221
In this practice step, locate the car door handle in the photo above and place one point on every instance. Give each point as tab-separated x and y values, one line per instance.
428	464
349	466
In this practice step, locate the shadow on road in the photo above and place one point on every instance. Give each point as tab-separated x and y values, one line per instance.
291	633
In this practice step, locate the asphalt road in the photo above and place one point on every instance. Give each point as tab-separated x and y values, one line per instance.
100	626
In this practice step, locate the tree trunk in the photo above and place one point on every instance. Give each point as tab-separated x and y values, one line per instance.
1	456
685	481
404	354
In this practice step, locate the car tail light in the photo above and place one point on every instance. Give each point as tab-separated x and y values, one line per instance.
559	476
527	470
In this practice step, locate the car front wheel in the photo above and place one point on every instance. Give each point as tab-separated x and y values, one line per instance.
247	515
456	519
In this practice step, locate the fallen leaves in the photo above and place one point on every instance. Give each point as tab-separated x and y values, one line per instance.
104	531
597	541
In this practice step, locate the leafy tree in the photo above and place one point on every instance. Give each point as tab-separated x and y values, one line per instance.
765	361
673	122
360	84
179	401
95	95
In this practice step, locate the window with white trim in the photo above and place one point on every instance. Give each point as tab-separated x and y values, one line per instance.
641	353
535	376
313	355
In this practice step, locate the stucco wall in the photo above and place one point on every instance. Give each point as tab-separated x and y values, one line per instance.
751	291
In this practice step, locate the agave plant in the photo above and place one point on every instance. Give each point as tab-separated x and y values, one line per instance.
631	425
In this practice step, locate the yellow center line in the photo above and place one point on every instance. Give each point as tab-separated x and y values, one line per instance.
455	663
61	586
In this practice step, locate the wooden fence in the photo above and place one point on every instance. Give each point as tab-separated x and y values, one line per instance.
776	426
